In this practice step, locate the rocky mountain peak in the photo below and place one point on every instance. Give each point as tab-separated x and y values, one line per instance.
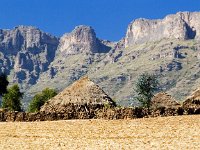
84	34
183	25
24	38
81	40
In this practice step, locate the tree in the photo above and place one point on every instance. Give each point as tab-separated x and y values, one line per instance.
36	103
146	86
3	84
39	99
12	99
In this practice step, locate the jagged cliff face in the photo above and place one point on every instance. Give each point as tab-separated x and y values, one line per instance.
183	25
26	51
81	40
169	48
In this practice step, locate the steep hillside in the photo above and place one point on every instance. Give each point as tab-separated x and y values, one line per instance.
168	47
176	62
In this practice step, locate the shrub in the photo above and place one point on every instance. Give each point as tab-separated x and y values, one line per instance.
39	99
12	99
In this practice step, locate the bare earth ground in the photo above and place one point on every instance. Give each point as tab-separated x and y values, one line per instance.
181	132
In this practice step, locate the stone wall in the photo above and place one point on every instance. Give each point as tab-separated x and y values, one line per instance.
95	112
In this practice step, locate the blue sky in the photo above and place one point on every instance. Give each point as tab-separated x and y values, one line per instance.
109	18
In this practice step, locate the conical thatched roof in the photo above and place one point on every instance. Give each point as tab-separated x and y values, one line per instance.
163	99
83	91
193	101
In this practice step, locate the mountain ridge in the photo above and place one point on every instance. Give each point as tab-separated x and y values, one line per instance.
169	48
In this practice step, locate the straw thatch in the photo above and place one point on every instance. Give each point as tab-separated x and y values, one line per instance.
163	99
193	101
83	91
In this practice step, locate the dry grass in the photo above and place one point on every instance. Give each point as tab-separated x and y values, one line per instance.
181	132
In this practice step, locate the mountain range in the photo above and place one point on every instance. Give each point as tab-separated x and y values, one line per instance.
168	47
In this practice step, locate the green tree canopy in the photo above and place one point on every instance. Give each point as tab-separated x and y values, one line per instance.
39	99
3	84
146	86
12	99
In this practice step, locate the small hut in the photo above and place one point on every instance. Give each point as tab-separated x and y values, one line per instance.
163	99
81	92
193	101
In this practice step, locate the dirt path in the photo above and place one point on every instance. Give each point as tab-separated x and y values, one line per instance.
181	132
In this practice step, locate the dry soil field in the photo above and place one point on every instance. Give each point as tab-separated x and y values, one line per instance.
182	132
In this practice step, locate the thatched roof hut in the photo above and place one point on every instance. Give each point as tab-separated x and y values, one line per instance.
193	101
83	91
163	99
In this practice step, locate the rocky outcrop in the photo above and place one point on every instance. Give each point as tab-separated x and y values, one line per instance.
25	38
172	66
183	25
83	91
28	51
81	40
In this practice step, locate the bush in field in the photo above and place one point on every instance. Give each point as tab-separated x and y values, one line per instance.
39	99
12	99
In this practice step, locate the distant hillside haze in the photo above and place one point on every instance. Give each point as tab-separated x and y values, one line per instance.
168	47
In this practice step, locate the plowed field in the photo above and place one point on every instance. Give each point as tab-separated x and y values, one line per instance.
181	132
